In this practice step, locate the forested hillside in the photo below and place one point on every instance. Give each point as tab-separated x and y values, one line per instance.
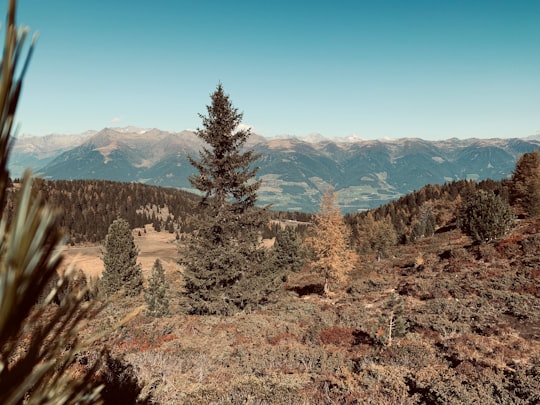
433	206
88	207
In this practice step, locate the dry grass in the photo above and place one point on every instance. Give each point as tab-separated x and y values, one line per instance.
152	245
470	312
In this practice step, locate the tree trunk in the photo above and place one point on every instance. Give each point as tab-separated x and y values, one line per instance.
391	326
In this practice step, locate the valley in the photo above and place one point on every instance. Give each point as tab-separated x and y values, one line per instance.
294	171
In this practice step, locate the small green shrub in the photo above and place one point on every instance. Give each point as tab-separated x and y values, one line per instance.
485	216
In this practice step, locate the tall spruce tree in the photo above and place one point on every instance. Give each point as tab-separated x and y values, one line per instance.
224	266
120	258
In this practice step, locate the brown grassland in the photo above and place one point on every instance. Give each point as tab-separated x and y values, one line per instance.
468	330
151	245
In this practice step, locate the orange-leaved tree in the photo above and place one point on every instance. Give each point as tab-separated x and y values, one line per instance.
329	242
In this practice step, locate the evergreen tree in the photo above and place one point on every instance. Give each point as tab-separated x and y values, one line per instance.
392	322
375	236
225	174
425	226
525	183
225	269
330	241
157	225
485	216
156	293
120	259
289	253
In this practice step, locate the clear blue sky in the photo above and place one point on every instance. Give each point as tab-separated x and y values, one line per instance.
428	69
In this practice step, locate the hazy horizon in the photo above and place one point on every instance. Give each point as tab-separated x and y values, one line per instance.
429	70
311	137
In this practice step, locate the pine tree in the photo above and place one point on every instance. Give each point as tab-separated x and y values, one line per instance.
330	241
289	253
485	216
525	183
224	265
425	226
375	236
157	304
157	225
120	258
392	322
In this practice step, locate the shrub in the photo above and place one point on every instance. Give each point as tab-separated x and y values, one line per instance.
121	384
485	216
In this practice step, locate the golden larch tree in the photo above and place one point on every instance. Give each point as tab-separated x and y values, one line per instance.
330	242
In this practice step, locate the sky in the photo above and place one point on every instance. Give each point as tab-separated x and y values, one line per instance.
430	69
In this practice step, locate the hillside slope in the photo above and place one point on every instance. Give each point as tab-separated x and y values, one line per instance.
470	333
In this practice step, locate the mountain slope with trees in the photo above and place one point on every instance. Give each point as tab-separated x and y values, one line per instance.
295	172
439	318
86	208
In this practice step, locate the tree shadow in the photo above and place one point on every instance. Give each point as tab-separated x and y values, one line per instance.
308	289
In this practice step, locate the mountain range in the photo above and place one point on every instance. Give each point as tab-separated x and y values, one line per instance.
366	173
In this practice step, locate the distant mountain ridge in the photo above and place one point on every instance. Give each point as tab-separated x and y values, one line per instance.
366	173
